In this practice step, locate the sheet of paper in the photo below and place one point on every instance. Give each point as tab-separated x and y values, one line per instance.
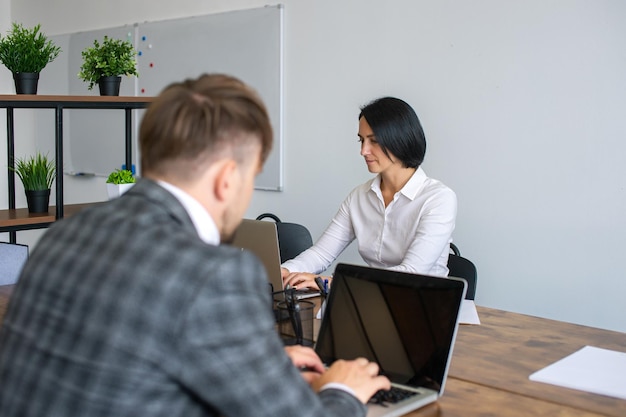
320	312
468	314
591	369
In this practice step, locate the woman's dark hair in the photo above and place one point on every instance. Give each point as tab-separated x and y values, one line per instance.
397	129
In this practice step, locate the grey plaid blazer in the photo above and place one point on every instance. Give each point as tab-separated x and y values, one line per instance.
122	310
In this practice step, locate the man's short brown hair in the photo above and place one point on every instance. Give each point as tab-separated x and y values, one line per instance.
198	120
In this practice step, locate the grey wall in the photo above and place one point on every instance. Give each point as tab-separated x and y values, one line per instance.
522	103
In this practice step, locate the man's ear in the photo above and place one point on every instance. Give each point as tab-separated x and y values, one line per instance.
226	180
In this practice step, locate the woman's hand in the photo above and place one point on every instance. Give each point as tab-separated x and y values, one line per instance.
300	280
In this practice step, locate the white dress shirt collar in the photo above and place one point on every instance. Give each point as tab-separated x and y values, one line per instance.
204	224
410	189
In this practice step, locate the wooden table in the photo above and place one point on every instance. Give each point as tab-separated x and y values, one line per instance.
507	347
491	364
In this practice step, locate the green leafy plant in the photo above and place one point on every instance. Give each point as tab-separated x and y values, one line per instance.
26	50
121	176
112	57
36	172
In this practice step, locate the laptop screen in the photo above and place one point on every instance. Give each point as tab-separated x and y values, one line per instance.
261	238
405	322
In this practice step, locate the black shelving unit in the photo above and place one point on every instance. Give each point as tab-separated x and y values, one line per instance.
13	220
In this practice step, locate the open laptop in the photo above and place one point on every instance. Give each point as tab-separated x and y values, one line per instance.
406	323
261	238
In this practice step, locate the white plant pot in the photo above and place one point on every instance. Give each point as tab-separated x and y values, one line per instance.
116	190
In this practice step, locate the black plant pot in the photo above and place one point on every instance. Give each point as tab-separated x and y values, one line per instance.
38	200
110	86
26	82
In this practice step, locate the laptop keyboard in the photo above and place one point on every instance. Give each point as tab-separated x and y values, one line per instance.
394	395
306	293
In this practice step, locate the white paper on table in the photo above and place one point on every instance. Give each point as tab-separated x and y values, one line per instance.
320	312
468	313
591	369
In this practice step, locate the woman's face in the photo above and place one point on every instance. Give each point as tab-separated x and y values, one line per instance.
375	158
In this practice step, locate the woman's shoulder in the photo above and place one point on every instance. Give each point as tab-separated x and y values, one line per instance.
437	185
435	190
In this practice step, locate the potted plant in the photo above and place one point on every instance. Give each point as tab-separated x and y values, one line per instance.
104	63
118	182
25	52
37	174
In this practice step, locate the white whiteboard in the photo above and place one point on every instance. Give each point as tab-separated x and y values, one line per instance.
245	43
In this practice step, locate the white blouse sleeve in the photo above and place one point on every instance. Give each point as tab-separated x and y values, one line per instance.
337	236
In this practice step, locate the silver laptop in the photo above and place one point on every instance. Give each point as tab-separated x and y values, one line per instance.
261	238
406	323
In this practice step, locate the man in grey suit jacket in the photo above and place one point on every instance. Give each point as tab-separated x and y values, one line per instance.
134	308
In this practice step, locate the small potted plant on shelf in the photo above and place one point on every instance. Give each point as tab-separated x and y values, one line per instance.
118	182
25	52
105	63
37	174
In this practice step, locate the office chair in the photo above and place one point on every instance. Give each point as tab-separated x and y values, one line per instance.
461	267
293	238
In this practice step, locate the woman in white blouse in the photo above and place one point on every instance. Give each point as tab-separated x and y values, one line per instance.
401	219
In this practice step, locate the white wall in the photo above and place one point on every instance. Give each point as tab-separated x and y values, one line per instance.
522	103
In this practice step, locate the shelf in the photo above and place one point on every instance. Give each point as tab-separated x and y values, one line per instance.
35	101
13	219
21	219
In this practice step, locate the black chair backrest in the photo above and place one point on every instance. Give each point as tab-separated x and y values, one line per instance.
293	238
461	267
